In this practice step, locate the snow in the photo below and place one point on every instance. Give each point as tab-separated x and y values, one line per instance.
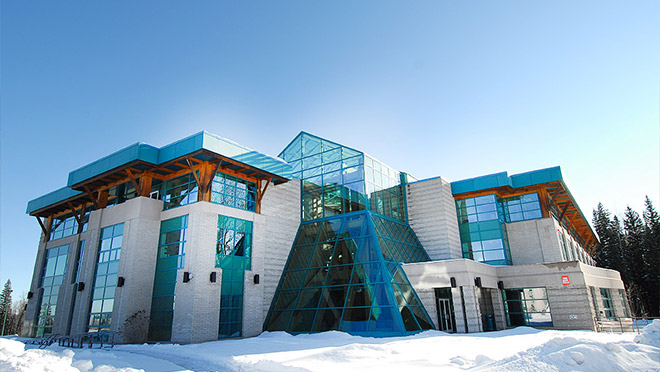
520	349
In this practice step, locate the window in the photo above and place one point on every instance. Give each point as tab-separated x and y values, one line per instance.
105	282
52	278
179	191
234	242
608	305
234	192
171	255
527	307
233	251
67	225
523	208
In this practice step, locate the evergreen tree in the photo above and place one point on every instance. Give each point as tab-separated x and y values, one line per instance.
652	256
5	307
635	260
608	254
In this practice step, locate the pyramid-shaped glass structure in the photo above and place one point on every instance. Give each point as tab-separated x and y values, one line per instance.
344	269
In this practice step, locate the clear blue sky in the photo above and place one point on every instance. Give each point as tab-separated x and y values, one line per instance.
436	88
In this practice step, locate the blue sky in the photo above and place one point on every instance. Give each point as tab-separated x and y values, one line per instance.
436	88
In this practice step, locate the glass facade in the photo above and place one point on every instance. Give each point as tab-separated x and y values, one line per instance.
171	255
481	222
179	191
233	252
234	192
527	307
67	225
337	179
344	270
105	282
52	278
343	273
482	230
608	305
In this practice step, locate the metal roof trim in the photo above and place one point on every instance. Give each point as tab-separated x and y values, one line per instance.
51	198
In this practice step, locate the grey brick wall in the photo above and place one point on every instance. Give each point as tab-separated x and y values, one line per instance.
432	215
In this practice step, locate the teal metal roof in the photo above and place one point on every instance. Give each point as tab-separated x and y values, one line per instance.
51	198
156	156
138	151
199	141
503	179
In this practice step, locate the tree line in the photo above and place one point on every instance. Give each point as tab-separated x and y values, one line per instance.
633	249
11	315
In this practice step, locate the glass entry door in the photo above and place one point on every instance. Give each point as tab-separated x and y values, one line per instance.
446	321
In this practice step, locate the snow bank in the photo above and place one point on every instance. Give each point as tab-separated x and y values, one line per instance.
650	334
15	356
516	350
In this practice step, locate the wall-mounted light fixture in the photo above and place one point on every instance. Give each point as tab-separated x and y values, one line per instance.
477	281
187	276
213	276
256	279
452	281
120	281
81	286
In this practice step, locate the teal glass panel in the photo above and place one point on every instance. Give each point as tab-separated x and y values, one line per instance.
233	256
482	229
171	255
52	278
348	283
105	281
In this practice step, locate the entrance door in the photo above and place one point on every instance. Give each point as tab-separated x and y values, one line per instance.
445	315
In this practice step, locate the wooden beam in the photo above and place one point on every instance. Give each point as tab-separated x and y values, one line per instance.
44	229
94	199
260	194
561	216
75	214
133	181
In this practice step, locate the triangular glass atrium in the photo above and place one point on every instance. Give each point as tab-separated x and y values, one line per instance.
344	269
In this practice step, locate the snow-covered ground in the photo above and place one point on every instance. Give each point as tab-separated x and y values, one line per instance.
520	349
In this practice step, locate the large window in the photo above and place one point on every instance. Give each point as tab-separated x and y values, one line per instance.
608	305
523	207
171	255
67	225
179	191
482	230
105	282
52	278
527	307
233	251
234	192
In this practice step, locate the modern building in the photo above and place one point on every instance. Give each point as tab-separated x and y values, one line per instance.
205	239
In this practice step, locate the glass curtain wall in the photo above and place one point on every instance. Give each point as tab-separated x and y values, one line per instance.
105	281
482	224
52	278
344	270
527	307
233	256
171	256
344	274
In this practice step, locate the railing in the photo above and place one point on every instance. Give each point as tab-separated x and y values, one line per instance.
44	342
88	338
632	324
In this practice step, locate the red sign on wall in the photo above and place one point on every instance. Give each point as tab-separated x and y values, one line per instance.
565	280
